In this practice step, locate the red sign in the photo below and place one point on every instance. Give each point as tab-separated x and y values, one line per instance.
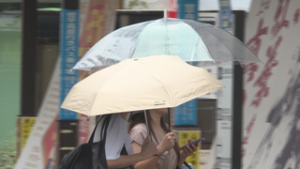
266	73
280	17
172	8
255	42
264	5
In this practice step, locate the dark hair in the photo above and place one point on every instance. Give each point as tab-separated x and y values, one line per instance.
139	117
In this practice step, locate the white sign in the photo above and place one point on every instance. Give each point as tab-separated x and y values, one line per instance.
39	148
224	118
213	70
271	89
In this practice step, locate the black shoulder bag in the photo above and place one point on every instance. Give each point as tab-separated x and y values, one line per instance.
84	156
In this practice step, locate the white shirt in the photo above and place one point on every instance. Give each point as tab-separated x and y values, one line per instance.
116	137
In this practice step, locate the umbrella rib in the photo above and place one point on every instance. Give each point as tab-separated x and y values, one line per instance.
137	38
236	39
92	103
196	44
233	55
201	39
158	80
125	30
148	23
166	44
113	41
119	71
128	65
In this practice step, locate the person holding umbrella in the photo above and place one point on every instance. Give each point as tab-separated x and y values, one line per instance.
165	141
153	82
118	150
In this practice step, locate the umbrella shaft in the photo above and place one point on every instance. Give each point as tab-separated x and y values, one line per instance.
169	119
147	125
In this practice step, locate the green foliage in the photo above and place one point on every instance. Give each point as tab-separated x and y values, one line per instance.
8	155
134	3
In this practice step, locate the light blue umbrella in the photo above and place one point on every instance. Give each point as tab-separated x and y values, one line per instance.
191	40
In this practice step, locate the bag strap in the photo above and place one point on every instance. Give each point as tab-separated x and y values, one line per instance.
187	165
104	125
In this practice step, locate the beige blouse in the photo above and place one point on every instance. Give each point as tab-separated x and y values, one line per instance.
139	134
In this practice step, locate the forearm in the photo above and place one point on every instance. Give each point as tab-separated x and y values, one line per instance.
147	164
181	160
125	160
151	162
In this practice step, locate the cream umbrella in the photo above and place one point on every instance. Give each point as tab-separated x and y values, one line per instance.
153	82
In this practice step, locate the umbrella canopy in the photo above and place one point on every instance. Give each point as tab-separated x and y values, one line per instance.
190	40
152	82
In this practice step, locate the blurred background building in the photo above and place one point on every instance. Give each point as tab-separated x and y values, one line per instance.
29	49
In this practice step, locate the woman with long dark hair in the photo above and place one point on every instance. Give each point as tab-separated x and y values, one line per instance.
165	141
118	150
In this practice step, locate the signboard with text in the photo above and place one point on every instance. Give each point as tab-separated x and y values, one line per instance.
223	140
188	9
226	20
183	136
69	55
186	114
271	89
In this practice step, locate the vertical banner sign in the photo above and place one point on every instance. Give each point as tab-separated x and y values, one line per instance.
98	19
188	9
68	52
39	150
186	114
224	118
271	116
223	140
226	16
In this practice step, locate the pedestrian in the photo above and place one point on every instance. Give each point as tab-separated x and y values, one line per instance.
164	140
118	150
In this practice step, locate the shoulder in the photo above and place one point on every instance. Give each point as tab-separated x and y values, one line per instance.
139	128
117	124
138	133
116	117
117	120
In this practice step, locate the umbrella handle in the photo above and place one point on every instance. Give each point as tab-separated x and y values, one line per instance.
147	125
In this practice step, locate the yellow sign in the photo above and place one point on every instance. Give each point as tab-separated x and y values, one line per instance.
183	137
224	3
26	126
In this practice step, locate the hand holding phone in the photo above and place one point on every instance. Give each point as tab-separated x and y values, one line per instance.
194	142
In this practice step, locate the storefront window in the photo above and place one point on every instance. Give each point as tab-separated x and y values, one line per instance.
10	59
10	64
